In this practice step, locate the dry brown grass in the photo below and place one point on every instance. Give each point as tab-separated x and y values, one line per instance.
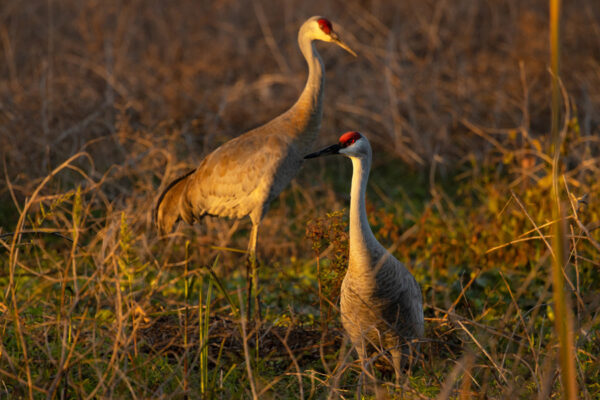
118	97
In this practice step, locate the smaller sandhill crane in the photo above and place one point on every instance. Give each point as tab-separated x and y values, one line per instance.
244	175
381	302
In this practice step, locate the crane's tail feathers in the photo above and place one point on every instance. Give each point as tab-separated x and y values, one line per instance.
168	210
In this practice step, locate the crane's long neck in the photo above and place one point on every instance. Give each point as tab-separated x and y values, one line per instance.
305	115
362	240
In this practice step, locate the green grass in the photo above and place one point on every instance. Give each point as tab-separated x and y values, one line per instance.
137	299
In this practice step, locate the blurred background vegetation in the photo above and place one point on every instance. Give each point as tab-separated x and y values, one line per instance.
102	103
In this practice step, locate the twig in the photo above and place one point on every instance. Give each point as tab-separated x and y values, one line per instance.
294	360
533	223
34	231
483	351
246	350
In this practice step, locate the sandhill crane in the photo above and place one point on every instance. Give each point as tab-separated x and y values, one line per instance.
381	302
243	176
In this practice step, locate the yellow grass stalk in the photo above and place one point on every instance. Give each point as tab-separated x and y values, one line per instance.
185	322
563	321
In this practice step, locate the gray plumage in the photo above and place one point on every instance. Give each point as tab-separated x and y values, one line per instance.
244	175
381	302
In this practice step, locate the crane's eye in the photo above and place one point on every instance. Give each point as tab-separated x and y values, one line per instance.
325	25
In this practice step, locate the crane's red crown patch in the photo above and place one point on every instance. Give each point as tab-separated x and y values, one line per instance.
325	25
349	138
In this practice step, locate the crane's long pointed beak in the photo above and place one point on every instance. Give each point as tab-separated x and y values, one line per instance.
335	149
340	42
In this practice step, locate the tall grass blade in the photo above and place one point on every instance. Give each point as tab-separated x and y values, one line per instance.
219	284
204	324
563	316
185	322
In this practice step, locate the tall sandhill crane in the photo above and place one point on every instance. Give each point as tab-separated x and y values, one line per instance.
381	302
243	176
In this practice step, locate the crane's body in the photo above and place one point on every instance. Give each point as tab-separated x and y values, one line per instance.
381	302
240	178
243	176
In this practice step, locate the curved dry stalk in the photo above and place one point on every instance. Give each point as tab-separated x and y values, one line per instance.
13	261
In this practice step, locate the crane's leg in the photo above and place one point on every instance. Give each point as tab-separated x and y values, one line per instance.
367	382
397	363
252	273
364	368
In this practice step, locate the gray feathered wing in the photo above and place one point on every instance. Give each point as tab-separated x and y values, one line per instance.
237	179
404	311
